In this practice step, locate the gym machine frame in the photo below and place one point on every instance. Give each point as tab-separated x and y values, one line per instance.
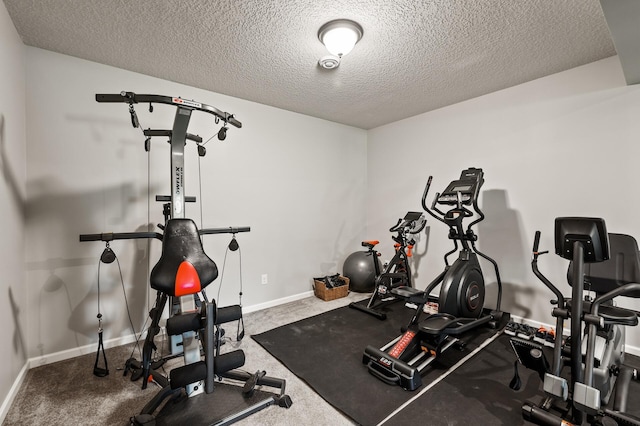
191	310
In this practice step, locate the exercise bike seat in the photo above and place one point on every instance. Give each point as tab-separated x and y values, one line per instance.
181	245
407	292
610	314
615	315
622	267
370	244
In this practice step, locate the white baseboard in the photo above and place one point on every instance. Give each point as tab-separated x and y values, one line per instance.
92	348
6	404
277	302
82	350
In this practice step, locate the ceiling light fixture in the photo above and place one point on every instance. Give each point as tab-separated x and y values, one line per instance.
339	37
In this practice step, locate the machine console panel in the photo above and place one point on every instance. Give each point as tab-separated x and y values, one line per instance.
470	181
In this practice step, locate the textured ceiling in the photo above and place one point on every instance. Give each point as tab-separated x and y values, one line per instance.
415	56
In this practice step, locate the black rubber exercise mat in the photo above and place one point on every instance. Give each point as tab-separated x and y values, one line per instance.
478	392
475	393
326	352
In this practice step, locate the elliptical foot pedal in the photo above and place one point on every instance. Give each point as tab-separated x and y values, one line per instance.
250	384
402	344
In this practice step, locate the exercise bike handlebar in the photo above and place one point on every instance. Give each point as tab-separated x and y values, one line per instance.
110	236
133	98
398	227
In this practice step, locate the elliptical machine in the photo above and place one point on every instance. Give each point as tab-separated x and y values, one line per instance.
397	273
181	275
597	386
461	296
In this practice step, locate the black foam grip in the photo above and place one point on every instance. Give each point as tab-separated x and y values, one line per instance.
179	324
229	361
228	314
536	241
190	373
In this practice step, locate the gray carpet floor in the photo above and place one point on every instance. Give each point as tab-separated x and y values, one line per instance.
67	393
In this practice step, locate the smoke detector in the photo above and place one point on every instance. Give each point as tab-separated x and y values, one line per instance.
329	62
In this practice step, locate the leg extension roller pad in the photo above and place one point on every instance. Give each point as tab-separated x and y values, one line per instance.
228	314
229	361
190	373
179	324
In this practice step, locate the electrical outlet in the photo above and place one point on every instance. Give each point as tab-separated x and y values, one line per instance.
265	279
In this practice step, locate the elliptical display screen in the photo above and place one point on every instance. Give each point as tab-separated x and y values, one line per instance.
467	186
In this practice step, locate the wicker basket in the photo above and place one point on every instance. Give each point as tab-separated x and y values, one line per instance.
321	291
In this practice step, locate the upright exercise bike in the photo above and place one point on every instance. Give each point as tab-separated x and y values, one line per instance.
397	273
461	296
596	388
181	275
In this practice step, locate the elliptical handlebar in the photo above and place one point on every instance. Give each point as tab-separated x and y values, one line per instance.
560	302
133	98
458	202
433	205
541	277
424	194
476	208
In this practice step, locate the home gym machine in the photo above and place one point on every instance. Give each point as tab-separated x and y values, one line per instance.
461	296
398	271
597	388
181	274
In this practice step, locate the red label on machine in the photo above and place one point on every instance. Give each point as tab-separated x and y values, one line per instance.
186	102
402	344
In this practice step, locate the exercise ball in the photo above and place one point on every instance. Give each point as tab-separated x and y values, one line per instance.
359	268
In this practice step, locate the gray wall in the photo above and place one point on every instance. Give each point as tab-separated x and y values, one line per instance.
299	182
310	189
562	145
13	307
